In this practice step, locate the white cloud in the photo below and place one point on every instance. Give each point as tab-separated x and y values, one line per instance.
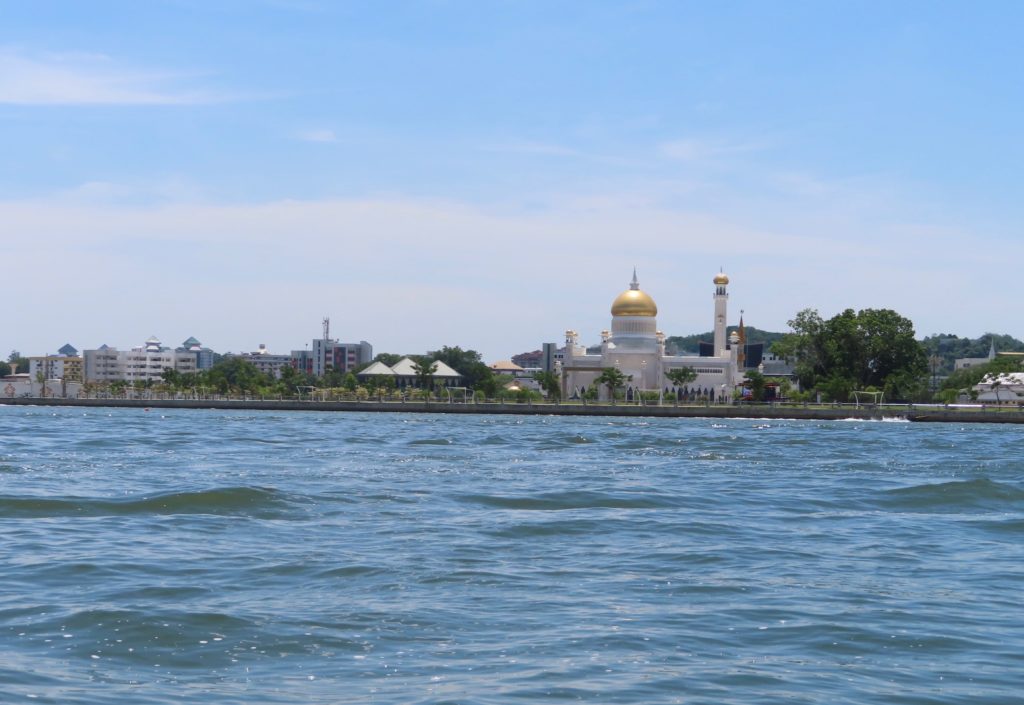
411	274
88	79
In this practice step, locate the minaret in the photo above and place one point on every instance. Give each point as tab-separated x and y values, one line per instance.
741	359
721	298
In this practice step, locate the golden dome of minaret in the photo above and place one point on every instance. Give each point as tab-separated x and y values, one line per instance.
633	302
721	279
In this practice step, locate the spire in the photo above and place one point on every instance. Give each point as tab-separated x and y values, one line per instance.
741	339
634	285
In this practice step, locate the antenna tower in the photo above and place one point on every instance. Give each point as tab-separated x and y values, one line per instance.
327	328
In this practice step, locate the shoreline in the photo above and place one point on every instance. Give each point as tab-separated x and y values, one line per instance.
797	413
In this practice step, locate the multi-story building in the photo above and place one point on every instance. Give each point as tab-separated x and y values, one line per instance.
544	358
347	356
204	356
302	360
102	364
66	365
328	355
145	363
265	361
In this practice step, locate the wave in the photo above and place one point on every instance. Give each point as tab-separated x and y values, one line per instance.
558	501
247	501
884	419
981	493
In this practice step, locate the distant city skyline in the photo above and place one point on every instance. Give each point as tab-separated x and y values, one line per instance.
487	174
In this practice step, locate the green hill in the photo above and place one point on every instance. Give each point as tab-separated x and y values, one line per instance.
948	347
687	344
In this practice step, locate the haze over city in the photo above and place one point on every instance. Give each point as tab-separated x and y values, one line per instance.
488	174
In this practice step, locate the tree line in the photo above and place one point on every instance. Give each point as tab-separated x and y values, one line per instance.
232	375
875	350
866	350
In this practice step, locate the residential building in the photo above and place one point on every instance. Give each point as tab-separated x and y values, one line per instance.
204	356
328	355
66	365
145	363
265	361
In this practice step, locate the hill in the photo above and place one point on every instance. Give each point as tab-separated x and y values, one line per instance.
687	344
946	348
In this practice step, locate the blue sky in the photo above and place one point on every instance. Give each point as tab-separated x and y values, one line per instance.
487	174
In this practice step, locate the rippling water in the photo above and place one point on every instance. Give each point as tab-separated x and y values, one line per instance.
218	557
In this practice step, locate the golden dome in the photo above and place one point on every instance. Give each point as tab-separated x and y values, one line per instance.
721	279
633	302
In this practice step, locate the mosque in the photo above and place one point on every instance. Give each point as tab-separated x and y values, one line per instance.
636	347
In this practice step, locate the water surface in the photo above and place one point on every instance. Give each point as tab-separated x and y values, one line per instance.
302	557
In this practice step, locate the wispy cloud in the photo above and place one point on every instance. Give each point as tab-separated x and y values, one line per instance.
89	79
318	135
209	252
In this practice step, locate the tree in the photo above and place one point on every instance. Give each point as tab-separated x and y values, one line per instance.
389	359
333	378
172	378
490	384
350	382
997	382
756	382
967	378
613	379
948	347
17	362
855	350
424	369
455	357
550	383
5	369
468	363
681	376
235	374
803	347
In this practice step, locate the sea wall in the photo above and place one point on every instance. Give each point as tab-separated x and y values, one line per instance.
420	407
725	411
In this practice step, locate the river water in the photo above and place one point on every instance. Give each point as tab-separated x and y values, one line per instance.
303	557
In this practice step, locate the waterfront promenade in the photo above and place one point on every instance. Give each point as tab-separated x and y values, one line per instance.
909	412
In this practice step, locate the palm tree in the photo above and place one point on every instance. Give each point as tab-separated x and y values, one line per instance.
613	379
681	376
424	368
549	383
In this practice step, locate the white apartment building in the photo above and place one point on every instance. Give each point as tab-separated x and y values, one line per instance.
266	362
145	363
